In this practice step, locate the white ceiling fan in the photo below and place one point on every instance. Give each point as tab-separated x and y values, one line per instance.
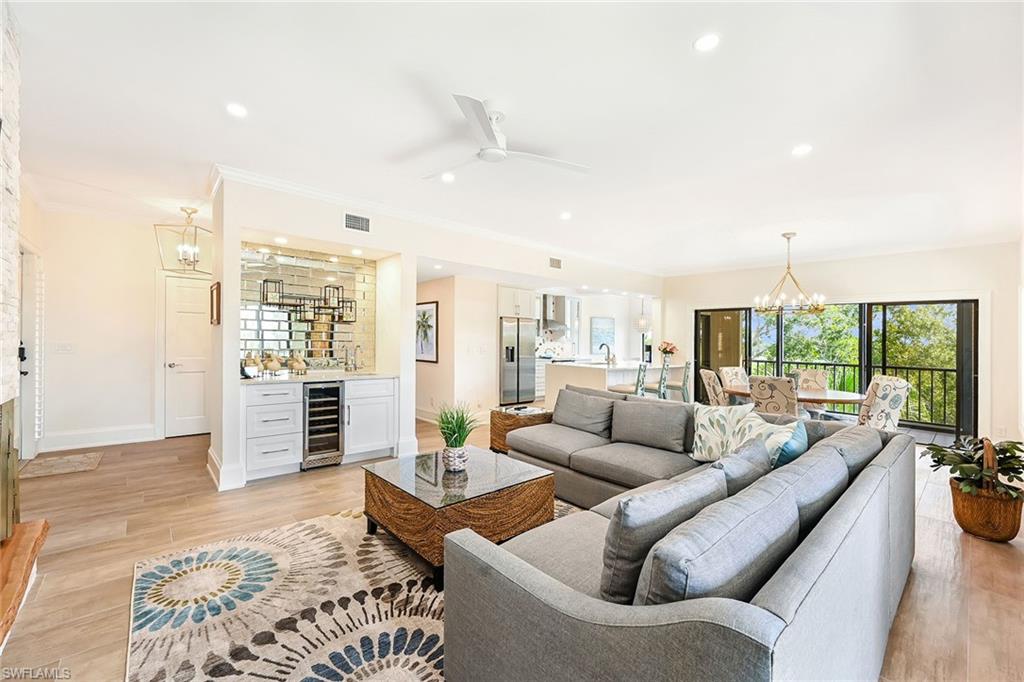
493	146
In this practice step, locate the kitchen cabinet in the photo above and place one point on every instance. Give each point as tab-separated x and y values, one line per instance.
514	302
272	429
370	416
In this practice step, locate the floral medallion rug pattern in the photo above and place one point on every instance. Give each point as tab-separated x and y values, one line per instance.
316	601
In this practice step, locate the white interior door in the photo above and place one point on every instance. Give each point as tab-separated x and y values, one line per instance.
186	355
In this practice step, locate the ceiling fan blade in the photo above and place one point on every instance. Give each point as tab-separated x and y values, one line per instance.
568	165
449	169
476	113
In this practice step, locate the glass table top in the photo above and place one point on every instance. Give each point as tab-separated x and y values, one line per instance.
424	476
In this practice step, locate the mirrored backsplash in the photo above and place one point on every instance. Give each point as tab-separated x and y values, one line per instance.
302	321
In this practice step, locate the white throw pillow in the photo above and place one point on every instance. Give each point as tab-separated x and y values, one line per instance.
774	436
713	428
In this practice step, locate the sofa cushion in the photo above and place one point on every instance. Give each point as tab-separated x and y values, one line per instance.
654	424
774	436
583	412
608	507
817	429
745	465
687	407
794	447
643	518
714	428
818	478
569	549
858	445
629	464
596	392
551	442
729	549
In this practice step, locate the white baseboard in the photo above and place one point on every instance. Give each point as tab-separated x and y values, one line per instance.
93	438
409	446
426	415
213	465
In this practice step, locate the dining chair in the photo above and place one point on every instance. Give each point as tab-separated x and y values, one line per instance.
735	377
813	380
633	389
713	387
775	395
660	387
885	399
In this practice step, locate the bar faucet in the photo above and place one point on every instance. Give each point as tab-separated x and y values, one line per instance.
607	354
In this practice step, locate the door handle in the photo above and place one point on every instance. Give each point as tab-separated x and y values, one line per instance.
348	415
172	365
278	419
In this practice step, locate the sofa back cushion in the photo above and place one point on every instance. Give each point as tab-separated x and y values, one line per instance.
729	549
774	436
858	445
642	519
818	478
596	392
714	428
749	462
817	429
688	408
583	412
654	424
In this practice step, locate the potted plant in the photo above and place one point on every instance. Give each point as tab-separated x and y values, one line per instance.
455	424
985	503
667	350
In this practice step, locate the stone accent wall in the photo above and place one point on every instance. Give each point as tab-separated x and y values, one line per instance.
10	194
306	272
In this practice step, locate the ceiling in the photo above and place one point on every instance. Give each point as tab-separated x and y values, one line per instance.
914	112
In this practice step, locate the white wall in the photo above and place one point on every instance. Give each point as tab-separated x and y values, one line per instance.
988	273
100	329
435	382
613	306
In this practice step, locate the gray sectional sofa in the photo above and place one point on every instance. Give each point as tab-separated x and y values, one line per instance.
812	558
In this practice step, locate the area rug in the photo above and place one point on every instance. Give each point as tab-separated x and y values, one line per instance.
317	600
60	464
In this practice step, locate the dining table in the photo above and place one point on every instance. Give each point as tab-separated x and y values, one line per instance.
809	395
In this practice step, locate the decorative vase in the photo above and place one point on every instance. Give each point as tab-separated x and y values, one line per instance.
454	459
454	483
988	514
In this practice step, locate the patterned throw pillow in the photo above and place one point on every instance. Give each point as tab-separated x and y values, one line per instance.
774	436
713	429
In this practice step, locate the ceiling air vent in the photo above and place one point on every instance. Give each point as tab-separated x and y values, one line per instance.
555	263
357	222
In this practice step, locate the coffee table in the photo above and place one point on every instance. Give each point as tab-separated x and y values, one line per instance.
418	502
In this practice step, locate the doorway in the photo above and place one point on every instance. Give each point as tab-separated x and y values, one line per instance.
722	340
186	357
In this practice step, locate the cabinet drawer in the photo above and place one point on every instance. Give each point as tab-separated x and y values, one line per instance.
272	451
272	420
272	394
370	388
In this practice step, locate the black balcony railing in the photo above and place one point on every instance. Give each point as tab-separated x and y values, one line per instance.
932	398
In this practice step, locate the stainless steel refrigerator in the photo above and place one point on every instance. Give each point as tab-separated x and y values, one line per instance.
518	382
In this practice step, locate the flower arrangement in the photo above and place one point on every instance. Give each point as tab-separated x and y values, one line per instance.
667	348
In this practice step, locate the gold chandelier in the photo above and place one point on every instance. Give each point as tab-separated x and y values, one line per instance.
776	300
185	247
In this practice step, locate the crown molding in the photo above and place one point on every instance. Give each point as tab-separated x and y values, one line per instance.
219	173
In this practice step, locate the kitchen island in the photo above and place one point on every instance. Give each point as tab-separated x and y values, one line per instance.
591	374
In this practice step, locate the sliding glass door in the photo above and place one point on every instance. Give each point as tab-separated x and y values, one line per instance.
933	345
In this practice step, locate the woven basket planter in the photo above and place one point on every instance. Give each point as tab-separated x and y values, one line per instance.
987	514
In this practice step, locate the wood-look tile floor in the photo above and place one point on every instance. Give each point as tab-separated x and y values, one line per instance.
960	619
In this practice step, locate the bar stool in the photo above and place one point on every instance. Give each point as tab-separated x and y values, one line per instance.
632	389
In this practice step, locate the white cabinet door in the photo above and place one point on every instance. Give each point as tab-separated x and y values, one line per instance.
369	424
507	302
524	303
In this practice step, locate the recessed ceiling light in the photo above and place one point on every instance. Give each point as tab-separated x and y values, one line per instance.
802	150
280	240
447	178
357	252
264	250
584	286
706	43
565	215
330	279
333	259
237	110
438	266
604	291
625	293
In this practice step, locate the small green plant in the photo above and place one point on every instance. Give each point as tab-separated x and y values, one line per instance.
455	424
966	465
